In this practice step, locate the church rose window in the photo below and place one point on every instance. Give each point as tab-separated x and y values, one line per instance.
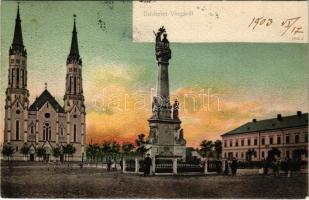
18	112
47	115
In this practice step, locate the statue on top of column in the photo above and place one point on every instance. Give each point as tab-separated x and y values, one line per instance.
163	51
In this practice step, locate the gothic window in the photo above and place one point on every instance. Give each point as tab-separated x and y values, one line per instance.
231	143
74	137
255	141
13	76
242	142
31	130
61	131
249	142
17	104
74	85
17	129
46	132
22	78
236	143
17	78
47	105
17	112
17	61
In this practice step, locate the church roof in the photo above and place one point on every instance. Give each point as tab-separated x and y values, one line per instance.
17	44
42	99
280	122
74	51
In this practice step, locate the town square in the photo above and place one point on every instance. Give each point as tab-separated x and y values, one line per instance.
78	120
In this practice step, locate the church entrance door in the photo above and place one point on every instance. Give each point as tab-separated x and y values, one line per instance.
32	157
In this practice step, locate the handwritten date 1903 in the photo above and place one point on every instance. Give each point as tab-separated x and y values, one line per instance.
260	21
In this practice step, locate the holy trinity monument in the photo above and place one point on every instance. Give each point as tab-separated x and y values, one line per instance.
165	138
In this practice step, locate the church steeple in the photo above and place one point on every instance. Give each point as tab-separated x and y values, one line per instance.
74	52
18	45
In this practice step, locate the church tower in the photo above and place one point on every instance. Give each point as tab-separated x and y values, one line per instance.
17	94
74	99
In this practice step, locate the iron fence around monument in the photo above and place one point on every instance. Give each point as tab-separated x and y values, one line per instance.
183	167
164	166
214	166
130	165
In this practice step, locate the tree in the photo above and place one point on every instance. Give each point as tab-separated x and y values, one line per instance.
114	151
70	149
140	145
272	154
127	149
56	152
8	151
25	150
140	140
91	151
218	148
40	152
249	154
206	148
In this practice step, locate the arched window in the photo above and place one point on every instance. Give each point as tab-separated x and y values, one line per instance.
17	129
46	132
74	136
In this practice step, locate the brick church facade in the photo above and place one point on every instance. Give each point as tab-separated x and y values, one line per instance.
45	122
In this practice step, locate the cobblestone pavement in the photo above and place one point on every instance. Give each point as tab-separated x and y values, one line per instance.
41	182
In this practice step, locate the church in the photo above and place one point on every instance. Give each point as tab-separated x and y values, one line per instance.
45	122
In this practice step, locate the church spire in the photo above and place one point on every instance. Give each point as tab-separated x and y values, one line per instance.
18	45
74	52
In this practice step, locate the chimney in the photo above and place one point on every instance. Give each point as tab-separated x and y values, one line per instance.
279	117
299	113
254	120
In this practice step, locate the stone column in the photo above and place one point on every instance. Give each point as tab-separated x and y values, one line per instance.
136	165
223	165
206	167
163	82
153	165
174	166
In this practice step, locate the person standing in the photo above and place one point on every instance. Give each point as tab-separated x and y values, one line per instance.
234	166
147	164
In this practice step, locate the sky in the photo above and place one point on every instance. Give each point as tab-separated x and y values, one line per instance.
220	86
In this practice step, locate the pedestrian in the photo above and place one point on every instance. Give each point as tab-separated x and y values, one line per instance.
109	163
289	166
121	165
275	167
147	165
265	167
234	166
